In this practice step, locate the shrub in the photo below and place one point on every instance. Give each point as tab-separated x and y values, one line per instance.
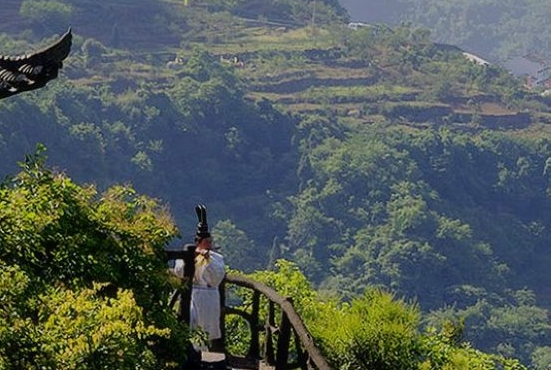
84	281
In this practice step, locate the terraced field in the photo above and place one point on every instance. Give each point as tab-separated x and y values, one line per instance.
306	71
301	68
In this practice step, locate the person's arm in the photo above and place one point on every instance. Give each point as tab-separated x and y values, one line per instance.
179	268
214	270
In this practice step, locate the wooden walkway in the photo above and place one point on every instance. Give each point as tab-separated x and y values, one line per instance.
271	333
220	360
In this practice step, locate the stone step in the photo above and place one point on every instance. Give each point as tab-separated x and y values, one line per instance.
213	361
242	363
264	366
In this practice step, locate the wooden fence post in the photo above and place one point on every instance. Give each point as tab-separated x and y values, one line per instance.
308	355
270	325
283	341
185	293
254	348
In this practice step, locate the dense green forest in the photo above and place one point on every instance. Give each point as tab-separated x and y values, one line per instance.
84	285
373	159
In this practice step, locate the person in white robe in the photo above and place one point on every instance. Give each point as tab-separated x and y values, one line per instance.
209	273
205	296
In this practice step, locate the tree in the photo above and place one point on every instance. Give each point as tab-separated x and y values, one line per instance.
239	252
374	330
48	13
84	277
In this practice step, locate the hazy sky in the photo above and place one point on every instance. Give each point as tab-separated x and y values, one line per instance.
370	10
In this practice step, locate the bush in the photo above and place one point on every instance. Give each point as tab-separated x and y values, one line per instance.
374	331
84	283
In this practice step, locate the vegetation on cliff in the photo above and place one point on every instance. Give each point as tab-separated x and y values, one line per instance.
371	158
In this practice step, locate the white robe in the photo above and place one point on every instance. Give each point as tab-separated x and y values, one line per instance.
205	298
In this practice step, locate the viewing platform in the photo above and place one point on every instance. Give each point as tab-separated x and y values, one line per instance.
286	342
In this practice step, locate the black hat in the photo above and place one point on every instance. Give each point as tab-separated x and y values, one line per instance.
202	226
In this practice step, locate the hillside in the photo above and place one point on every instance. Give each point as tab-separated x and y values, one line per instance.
369	156
323	72
496	30
308	60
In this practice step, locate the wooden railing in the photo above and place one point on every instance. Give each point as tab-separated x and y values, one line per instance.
276	353
278	333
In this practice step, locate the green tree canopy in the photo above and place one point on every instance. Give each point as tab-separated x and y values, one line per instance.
84	281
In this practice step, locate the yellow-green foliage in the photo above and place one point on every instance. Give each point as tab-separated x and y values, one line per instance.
373	331
288	281
442	352
70	329
80	327
83	281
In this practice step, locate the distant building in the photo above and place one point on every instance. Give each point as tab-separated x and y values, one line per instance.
356	25
536	69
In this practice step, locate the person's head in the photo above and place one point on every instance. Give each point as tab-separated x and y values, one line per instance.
203	241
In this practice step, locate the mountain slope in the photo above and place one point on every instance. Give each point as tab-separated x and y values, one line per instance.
370	157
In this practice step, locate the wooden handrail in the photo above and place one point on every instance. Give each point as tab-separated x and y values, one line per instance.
290	320
314	354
